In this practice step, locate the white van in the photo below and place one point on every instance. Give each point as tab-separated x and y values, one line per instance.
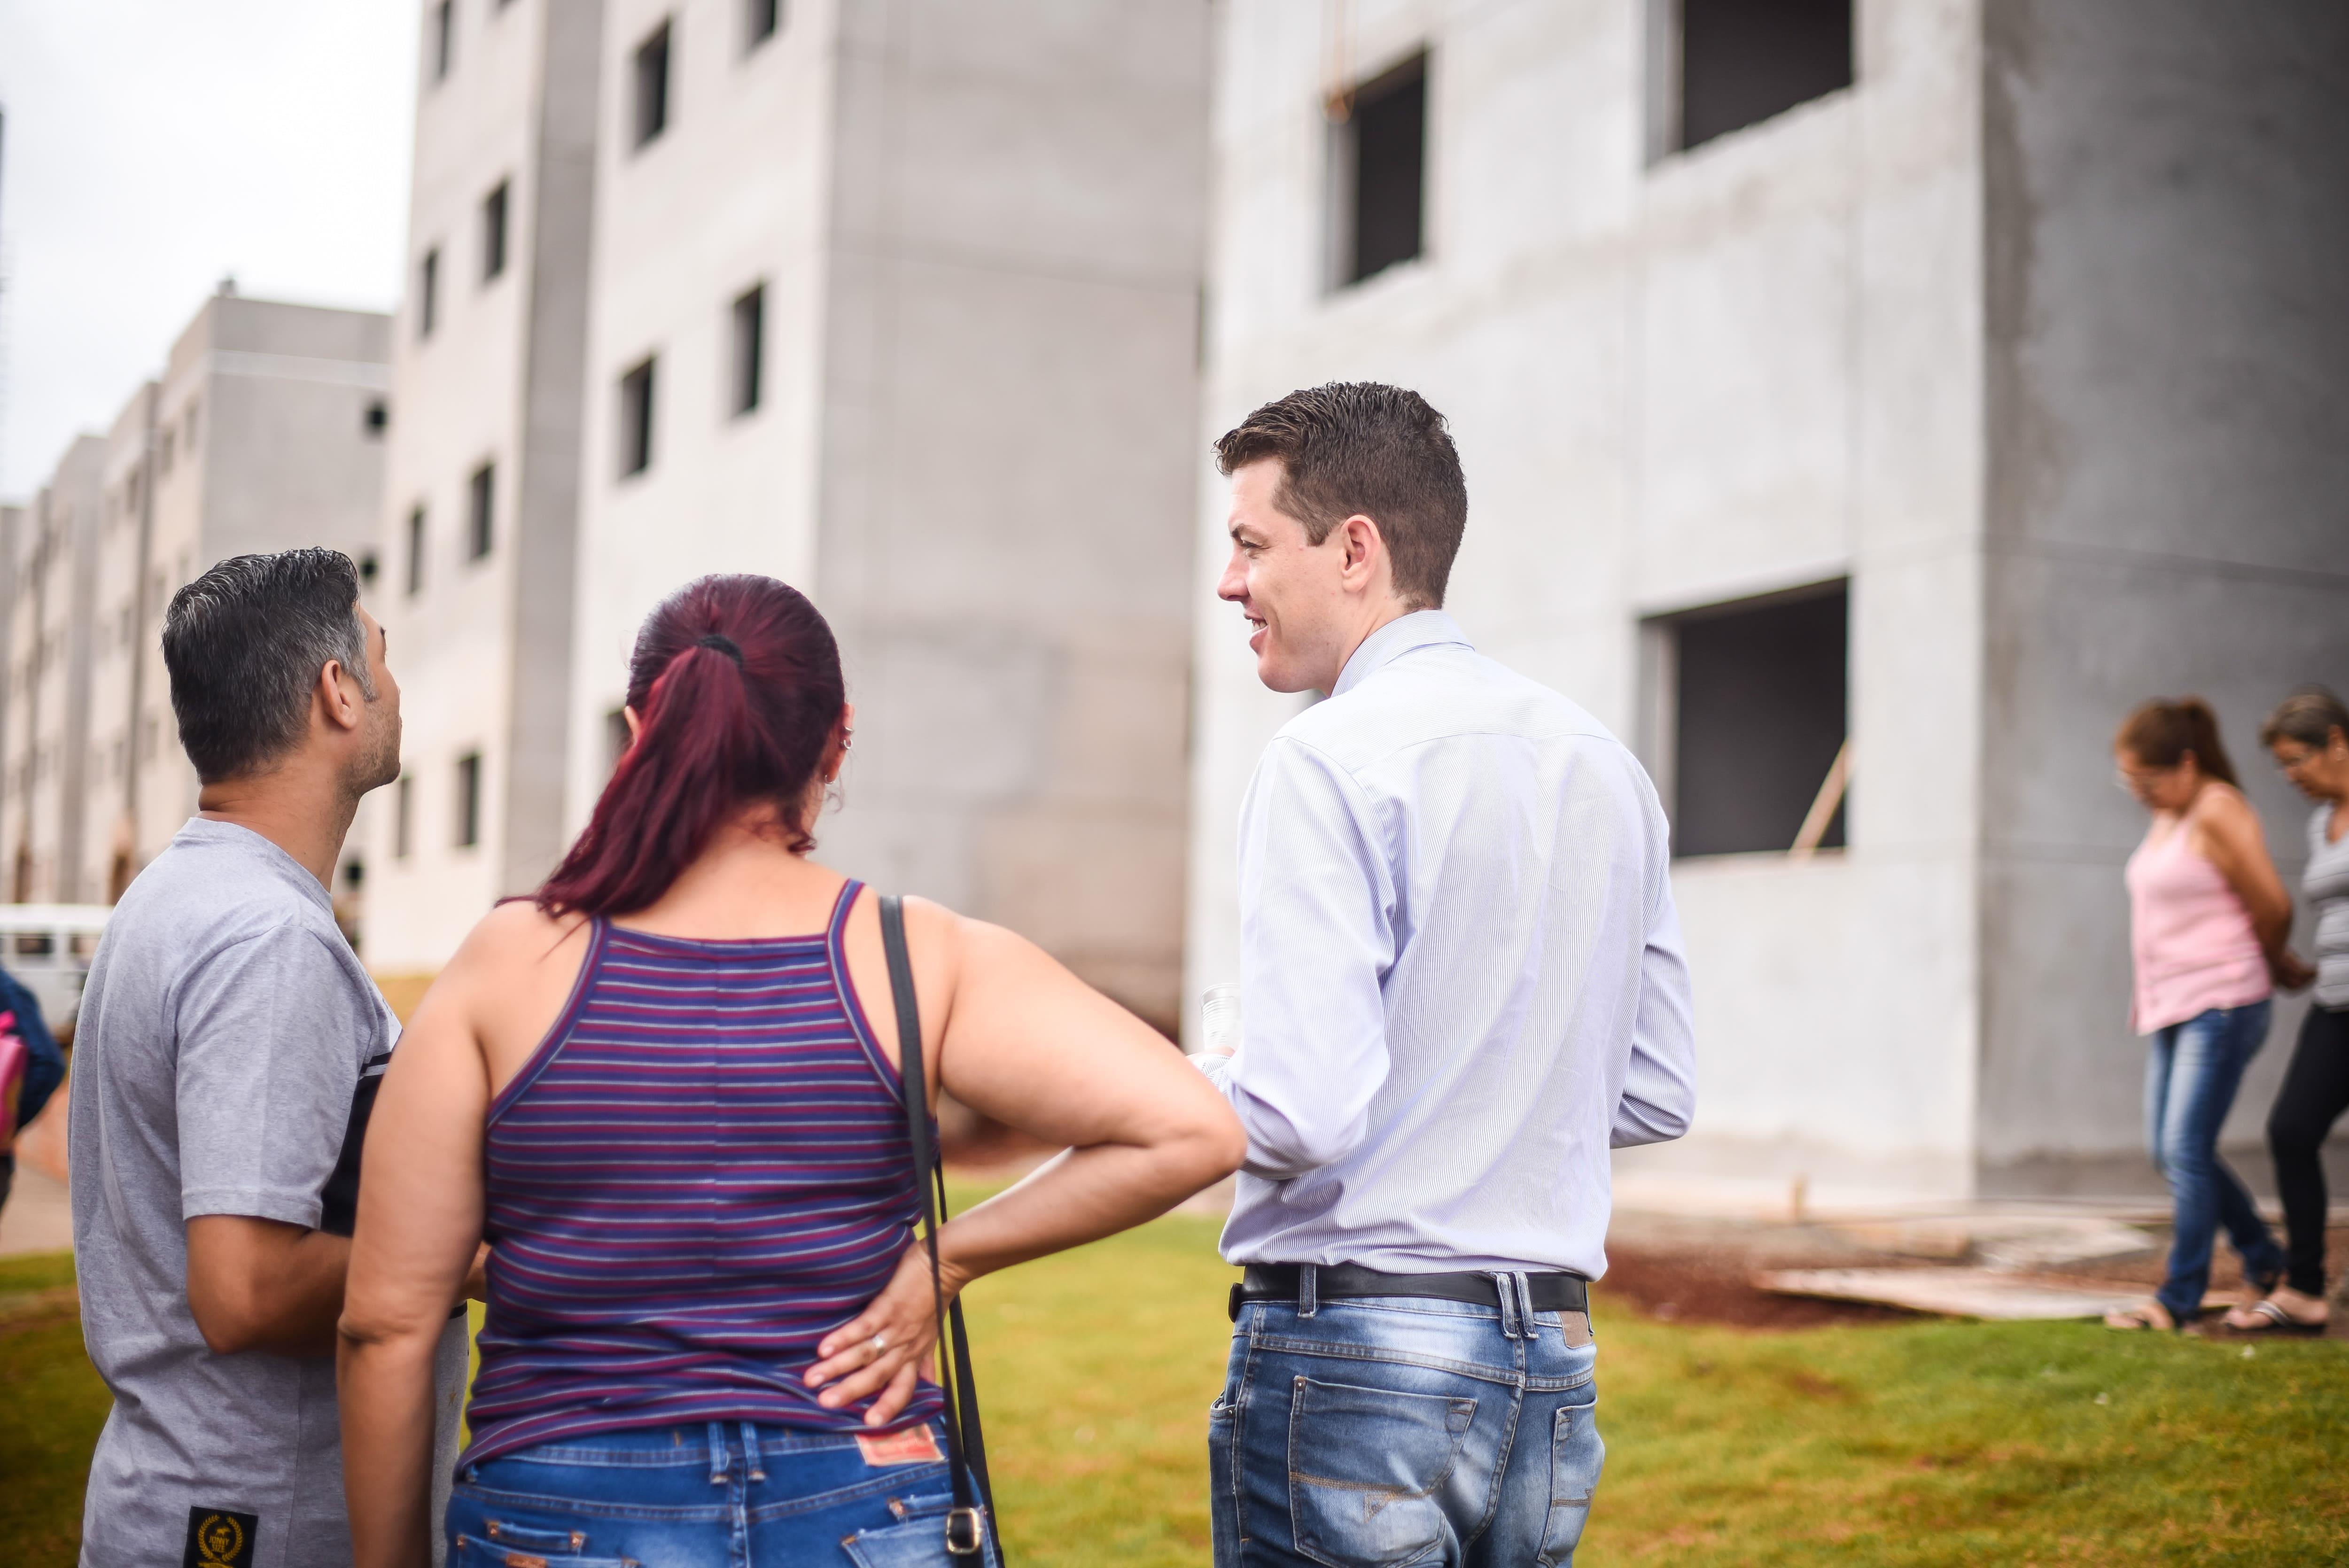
48	947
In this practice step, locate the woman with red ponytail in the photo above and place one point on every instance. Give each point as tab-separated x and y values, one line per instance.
666	1093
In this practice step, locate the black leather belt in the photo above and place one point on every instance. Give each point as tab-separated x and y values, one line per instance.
1337	1282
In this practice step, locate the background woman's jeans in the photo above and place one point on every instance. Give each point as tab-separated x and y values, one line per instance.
1400	1431
2191	1074
708	1495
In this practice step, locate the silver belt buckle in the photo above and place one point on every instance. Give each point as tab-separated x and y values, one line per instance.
963	1531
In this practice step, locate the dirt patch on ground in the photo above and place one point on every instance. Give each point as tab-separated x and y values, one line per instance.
1697	1271
1718	1289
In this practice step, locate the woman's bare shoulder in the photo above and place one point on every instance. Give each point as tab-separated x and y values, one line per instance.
518	933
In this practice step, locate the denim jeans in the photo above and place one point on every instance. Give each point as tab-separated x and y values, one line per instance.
2191	1074
707	1495
1397	1430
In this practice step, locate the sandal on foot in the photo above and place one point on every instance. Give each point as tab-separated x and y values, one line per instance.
2144	1315
2269	1317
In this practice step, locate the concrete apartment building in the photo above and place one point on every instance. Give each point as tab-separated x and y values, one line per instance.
51	587
896	303
1890	394
266	431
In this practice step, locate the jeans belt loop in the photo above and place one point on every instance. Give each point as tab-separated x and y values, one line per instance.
718	1454
1508	1295
1309	1288
1526	1303
753	1469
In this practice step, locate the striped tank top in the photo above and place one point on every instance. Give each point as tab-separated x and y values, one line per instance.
700	1172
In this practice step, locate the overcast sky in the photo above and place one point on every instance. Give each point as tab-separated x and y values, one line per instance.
153	146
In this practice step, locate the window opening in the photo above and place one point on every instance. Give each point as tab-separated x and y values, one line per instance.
1756	713
482	492
636	419
444	39
427	293
1380	162
760	20
378	416
493	231
416	553
402	816
652	86
469	799
1743	61
750	348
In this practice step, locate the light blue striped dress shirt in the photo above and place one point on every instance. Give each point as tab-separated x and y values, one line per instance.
1461	973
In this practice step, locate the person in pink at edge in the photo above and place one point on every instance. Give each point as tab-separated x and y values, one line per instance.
2208	919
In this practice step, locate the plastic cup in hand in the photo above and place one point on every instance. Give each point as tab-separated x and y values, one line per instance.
1219	1018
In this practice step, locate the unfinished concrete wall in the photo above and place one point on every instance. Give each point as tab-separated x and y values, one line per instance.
1011	394
1674	382
2167	337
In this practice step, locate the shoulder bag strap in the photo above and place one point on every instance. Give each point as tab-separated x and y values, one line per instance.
966	1452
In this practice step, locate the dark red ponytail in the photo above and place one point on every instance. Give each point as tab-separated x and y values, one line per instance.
735	684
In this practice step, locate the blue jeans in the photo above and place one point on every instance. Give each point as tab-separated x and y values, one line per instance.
1400	1430
2190	1078
707	1495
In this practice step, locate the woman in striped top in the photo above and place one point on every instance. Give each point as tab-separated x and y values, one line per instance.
666	1093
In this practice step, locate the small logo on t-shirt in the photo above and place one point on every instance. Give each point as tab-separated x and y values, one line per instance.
220	1538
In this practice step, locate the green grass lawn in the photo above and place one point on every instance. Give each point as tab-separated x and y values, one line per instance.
1914	1444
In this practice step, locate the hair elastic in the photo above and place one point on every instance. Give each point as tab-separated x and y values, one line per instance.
723	644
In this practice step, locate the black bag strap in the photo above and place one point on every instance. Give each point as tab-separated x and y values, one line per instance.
974	1498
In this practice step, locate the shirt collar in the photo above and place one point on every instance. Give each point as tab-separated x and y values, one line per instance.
1420	629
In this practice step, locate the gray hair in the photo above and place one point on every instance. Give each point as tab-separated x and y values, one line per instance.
244	643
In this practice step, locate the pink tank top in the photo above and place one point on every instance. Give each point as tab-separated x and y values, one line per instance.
2190	935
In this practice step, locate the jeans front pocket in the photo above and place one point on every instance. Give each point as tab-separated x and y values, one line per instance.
1364	1468
1577	1455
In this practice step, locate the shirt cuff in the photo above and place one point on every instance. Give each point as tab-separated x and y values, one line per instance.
301	1209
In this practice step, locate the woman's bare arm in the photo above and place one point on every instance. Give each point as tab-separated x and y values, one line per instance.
1027	1043
2232	840
419	1219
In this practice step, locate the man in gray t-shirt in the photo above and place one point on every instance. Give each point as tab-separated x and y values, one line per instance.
228	1041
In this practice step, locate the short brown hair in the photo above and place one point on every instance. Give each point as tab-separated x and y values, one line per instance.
1362	446
2160	733
2309	715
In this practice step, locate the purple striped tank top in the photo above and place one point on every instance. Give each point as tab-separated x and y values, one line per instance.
700	1172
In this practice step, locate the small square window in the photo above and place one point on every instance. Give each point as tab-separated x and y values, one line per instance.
1379	161
1753	706
650	104
378	416
480	512
1743	61
427	293
760	20
366	569
749	349
493	231
636	419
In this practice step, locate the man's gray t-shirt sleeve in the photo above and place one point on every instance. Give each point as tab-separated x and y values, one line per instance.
272	1041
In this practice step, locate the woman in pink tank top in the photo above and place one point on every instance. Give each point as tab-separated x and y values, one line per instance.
2208	919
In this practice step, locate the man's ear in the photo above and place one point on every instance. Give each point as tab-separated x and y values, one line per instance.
340	695
1362	545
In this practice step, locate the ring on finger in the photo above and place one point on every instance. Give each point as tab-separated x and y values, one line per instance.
880	1342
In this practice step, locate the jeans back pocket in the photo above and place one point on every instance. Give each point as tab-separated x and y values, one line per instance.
1365	1466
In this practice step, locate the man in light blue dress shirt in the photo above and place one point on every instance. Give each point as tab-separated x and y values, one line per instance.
1462	983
